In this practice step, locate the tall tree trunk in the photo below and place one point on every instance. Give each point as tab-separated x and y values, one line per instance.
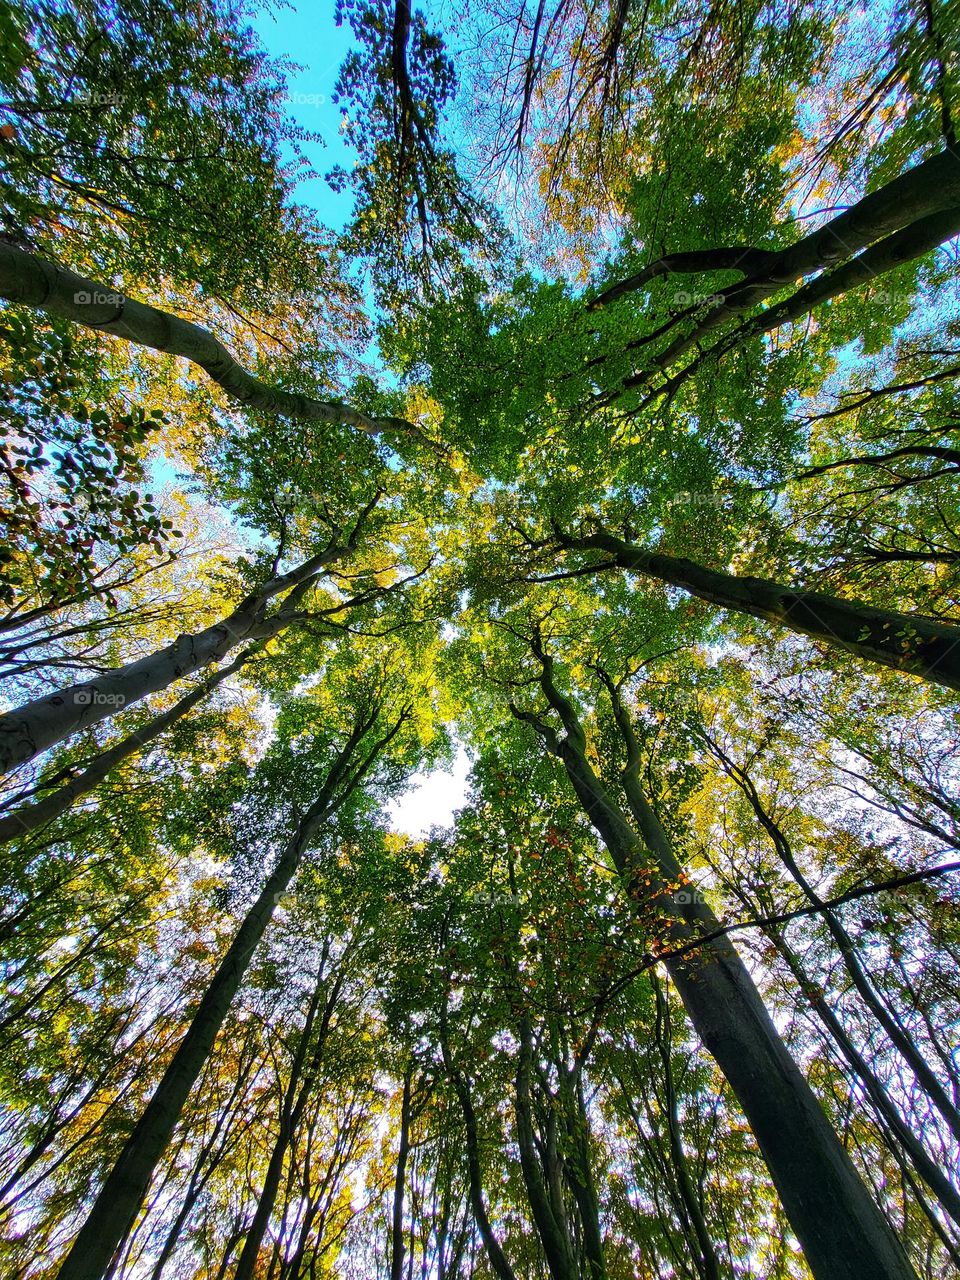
234	1238
498	1260
914	241
116	1206
36	726
292	1268
927	188
708	1264
42	811
905	245
664	1174
843	1233
551	1230
920	646
118	1203
296	1096
396	1232
926	1168
192	1195
909	216
579	1174
902	1041
208	1160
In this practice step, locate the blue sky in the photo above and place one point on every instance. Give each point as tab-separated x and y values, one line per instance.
308	35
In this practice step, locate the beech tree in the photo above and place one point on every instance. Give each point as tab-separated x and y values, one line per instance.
609	448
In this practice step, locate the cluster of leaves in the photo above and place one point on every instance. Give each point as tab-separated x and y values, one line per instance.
69	475
495	990
149	138
414	217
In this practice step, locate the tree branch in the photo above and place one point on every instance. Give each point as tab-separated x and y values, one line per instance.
46	286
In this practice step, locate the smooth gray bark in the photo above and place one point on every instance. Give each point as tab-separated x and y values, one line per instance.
36	282
28	730
843	1233
31	816
903	641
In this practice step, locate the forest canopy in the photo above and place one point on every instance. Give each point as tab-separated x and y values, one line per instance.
609	444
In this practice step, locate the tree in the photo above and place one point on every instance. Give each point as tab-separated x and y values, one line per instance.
371	732
612	444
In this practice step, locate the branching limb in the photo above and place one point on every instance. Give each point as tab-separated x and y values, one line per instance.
46	286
